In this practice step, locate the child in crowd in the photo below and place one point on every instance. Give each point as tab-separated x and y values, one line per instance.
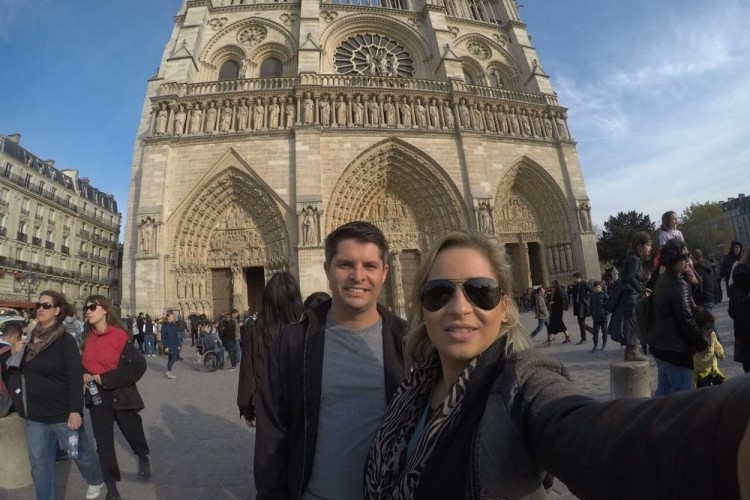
705	365
597	306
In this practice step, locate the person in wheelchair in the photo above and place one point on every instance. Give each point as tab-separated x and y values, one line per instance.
209	342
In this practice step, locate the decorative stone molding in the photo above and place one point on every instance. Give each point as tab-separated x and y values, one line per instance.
479	50
329	16
416	20
454	31
500	38
217	23
252	35
289	18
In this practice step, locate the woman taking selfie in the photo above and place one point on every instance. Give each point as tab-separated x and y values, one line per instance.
115	365
483	416
51	368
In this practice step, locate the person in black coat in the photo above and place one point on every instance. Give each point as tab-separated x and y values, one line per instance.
580	293
739	311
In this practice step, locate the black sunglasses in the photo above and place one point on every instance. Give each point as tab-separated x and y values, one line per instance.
90	307
484	293
44	305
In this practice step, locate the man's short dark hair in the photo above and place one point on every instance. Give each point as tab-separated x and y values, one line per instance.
697	254
362	231
577	275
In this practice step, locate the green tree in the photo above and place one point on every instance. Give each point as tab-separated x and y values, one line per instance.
618	231
701	226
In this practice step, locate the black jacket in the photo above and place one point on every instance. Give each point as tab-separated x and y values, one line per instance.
705	293
673	333
581	291
287	415
121	381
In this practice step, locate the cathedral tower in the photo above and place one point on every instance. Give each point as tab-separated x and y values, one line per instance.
269	123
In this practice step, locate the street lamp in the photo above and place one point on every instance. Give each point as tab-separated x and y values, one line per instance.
28	283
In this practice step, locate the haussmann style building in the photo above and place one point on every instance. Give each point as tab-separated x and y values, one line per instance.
269	123
57	231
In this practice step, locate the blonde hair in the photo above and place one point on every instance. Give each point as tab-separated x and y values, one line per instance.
418	345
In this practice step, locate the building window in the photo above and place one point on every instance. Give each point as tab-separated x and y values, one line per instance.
468	79
271	68
230	70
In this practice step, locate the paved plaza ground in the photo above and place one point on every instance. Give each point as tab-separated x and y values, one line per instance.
201	449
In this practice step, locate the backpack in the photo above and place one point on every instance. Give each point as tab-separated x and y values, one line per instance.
5	399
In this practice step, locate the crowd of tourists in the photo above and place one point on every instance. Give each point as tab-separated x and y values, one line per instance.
349	401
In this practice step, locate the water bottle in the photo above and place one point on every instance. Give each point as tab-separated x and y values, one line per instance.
96	398
73	444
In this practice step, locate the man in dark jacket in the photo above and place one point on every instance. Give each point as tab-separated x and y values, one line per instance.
705	272
580	292
329	377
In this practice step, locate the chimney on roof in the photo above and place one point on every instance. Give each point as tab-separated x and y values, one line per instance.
14	138
741	195
51	163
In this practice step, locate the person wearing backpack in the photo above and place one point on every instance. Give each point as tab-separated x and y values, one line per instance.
739	310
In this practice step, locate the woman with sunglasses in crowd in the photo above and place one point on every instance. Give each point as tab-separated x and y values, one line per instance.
114	365
50	365
484	416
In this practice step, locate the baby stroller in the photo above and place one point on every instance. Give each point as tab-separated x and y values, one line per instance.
205	357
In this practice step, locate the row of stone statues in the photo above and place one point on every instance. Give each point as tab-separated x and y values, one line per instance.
285	112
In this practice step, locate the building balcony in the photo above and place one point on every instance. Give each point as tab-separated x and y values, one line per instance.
24	211
83	254
49	245
4	203
36	241
3	231
84	234
22	237
65	250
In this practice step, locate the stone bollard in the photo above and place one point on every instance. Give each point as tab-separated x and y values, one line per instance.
630	379
15	471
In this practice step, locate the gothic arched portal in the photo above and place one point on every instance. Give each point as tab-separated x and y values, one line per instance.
406	194
531	218
230	235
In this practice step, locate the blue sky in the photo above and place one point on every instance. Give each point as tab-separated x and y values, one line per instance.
657	91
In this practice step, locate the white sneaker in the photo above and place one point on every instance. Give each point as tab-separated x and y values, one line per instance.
94	490
169	375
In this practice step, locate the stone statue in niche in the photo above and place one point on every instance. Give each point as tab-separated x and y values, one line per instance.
489	118
502	120
211	118
161	121
477	114
259	115
179	121
358	110
242	117
225	123
374	108
309	226
390	112
525	124
325	111
147	236
237	279
584	215
308	107
485	218
421	114
341	112
196	119
290	110
273	113
463	114
562	128
448	119
515	125
434	114
405	113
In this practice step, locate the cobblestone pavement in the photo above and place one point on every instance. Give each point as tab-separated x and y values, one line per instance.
200	449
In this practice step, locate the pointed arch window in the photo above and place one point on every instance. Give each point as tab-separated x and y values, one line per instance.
271	68
468	78
230	70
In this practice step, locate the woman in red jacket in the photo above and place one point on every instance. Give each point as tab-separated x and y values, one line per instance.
115	365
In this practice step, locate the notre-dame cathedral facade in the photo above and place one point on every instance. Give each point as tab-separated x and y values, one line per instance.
269	123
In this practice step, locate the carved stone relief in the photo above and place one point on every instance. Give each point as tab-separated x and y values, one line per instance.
252	35
309	220
372	54
217	23
479	50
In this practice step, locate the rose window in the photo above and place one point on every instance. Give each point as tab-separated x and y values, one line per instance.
370	54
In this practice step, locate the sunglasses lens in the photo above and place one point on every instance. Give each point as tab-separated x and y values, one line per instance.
45	305
91	307
436	293
484	293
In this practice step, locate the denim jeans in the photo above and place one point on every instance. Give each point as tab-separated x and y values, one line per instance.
41	440
672	378
180	338
237	350
542	323
148	347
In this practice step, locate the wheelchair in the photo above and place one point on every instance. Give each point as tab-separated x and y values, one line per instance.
205	358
